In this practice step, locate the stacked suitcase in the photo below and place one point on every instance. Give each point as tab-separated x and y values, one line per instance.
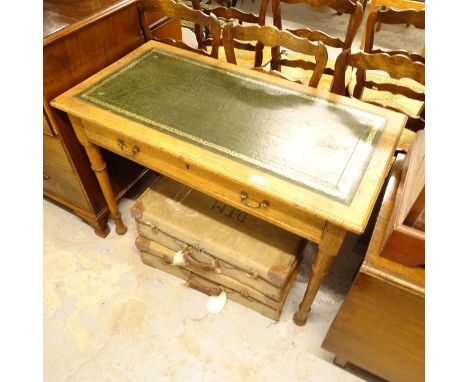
215	247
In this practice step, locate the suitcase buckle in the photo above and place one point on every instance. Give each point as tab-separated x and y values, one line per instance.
251	274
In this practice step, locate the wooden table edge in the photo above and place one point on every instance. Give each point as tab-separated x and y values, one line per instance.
395	125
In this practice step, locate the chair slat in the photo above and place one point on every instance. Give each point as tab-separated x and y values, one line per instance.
180	11
353	8
396	66
392	16
272	37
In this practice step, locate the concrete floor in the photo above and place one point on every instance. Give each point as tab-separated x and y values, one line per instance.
108	317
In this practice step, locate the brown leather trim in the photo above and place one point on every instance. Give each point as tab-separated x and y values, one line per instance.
142	243
198	264
278	274
195	283
136	210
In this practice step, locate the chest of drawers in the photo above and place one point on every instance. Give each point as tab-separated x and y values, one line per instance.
79	39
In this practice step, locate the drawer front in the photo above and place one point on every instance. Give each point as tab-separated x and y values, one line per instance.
240	196
54	152
64	184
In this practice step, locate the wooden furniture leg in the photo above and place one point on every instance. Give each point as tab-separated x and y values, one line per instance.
371	9
329	246
99	167
102	232
378	25
100	226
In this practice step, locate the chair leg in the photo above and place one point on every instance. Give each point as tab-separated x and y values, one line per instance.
378	25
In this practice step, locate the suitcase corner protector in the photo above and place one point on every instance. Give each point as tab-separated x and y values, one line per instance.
278	274
136	210
142	243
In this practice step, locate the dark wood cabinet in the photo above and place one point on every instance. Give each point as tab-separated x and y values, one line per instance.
380	326
80	38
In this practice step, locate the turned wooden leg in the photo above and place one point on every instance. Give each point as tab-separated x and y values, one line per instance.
99	167
329	246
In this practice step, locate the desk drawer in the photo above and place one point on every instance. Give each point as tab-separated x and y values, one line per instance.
216	185
54	152
64	184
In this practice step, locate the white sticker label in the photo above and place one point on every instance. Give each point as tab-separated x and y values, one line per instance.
257	179
216	304
179	259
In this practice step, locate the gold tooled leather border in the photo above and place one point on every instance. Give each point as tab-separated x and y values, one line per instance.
327	188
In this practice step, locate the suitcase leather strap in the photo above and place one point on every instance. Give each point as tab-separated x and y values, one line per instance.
200	264
195	284
216	263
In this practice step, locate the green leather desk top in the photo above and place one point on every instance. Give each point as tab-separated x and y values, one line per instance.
307	140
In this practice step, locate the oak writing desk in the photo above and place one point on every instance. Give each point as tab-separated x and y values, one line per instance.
305	160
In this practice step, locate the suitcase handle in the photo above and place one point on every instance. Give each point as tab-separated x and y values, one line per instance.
210	291
199	264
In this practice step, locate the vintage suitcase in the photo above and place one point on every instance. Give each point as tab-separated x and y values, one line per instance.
161	258
152	248
217	241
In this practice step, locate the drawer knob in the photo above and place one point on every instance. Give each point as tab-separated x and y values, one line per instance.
45	177
135	148
244	199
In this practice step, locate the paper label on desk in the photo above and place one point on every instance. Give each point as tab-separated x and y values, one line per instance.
257	179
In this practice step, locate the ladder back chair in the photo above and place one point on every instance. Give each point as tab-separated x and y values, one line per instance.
180	11
352	8
399	4
397	66
392	16
273	37
230	16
